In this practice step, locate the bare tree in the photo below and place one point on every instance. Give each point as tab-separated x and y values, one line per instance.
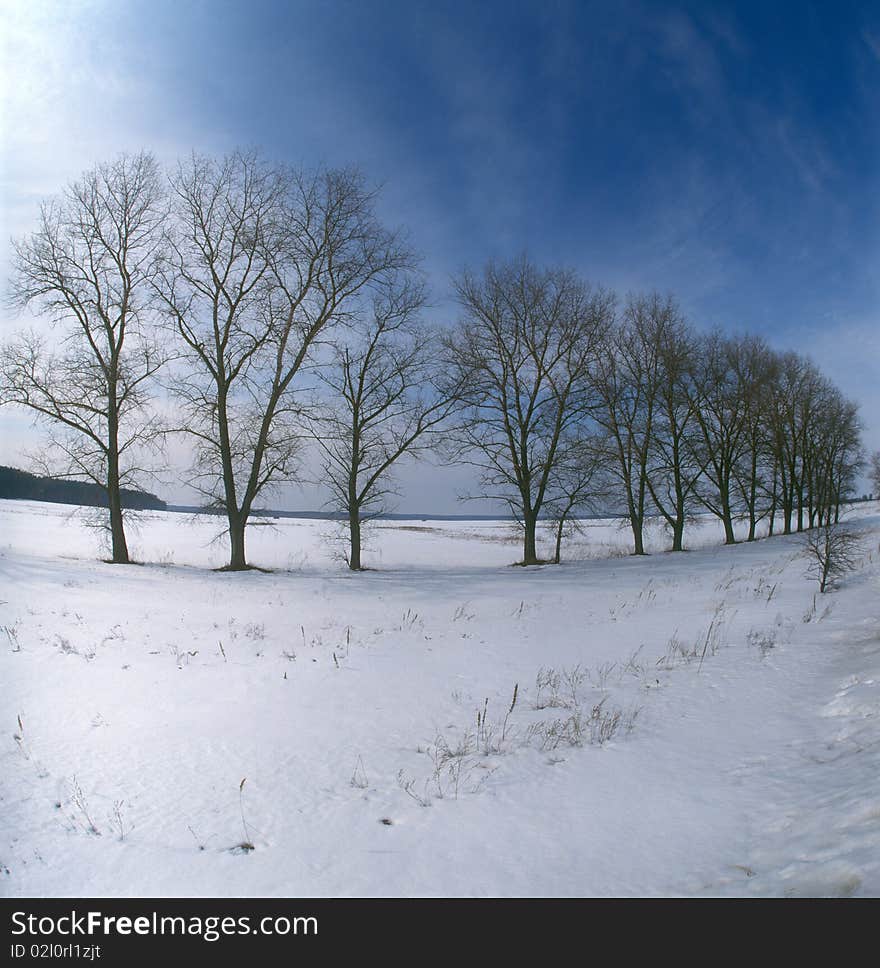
263	261
796	399
521	359
721	413
755	369
629	381
835	456
833	550
88	267
672	472
579	483
874	472
384	404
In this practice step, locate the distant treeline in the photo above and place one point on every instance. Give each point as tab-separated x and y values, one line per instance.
22	486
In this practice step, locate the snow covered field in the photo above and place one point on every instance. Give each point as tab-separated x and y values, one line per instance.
692	724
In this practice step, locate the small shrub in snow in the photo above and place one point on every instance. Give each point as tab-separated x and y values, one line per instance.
449	771
677	651
832	551
509	711
485	731
182	658
599	678
764	589
195	837
680	652
559	689
764	642
443	752
826	611
246	846
118	820
66	648
255	631
407	784
409	620
632	666
462	613
12	634
25	751
359	776
594	728
455	766
461	763
727	580
711	642
82	806
19	739
810	613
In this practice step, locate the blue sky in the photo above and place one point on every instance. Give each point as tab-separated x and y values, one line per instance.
725	152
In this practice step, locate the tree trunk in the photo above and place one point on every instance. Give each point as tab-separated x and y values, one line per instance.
354	528
678	534
237	525
530	550
675	518
237	518
680	513
638	535
753	496
773	505
114	498
117	530
558	555
726	517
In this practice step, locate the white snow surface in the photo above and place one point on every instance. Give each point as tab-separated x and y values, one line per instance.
135	700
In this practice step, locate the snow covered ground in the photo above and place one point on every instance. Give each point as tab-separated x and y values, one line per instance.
693	724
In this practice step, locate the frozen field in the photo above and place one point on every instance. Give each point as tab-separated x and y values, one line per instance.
692	724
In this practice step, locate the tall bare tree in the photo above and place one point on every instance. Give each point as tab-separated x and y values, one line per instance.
88	267
722	417
263	261
629	380
755	369
674	469
835	456
521	358
383	402
800	395
786	436
580	482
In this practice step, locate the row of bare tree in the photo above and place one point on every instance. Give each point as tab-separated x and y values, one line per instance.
264	306
577	402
